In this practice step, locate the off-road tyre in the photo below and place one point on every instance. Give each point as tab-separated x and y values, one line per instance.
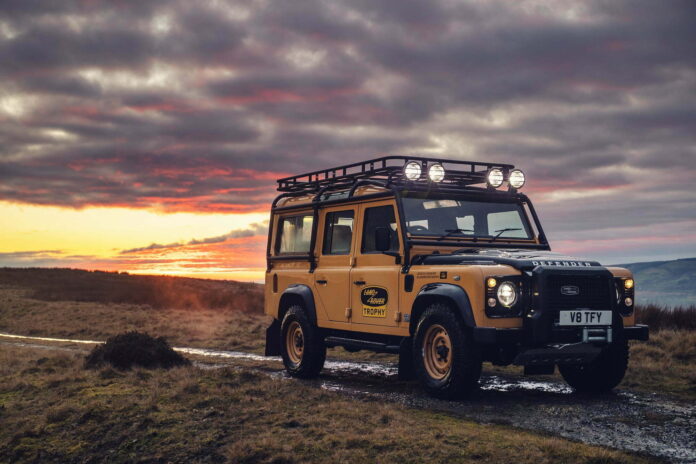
301	345
602	374
439	327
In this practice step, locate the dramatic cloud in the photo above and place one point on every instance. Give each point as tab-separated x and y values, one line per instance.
254	230
200	106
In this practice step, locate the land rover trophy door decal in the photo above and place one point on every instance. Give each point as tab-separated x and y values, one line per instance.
374	301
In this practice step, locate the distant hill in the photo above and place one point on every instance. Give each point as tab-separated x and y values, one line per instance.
671	283
155	291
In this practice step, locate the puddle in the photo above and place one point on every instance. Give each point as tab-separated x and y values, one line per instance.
43	347
48	339
495	383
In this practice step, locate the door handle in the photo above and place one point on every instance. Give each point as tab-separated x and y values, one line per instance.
322	281
359	282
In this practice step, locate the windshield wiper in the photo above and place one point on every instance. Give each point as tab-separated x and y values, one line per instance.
454	231
500	232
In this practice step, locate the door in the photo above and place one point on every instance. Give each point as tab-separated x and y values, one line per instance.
375	276
332	275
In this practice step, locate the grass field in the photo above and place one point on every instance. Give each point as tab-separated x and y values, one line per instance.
52	410
665	364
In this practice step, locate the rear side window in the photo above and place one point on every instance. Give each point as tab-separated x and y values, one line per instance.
338	233
295	234
379	216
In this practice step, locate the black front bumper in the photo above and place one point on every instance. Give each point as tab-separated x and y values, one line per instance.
493	336
565	345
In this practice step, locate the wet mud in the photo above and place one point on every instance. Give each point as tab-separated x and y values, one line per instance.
637	422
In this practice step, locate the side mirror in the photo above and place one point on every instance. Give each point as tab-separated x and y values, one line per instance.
382	239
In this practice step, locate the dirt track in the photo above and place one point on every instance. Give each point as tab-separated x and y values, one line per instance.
624	420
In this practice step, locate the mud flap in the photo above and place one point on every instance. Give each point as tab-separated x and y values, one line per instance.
406	369
273	339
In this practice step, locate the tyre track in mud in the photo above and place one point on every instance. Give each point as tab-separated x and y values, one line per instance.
637	422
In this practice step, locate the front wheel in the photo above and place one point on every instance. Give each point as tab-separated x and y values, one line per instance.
602	374
302	348
446	360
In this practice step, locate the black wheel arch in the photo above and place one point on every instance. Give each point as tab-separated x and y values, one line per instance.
449	294
298	294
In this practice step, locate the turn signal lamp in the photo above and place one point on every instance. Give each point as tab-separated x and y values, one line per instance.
516	179
628	284
412	170
495	177
436	173
491	282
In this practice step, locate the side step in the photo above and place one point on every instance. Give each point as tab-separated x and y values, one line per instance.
361	344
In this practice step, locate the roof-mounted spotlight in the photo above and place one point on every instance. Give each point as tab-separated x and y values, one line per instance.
516	179
436	173
494	178
412	170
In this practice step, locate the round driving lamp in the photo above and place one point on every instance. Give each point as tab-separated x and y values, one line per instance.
495	177
516	179
507	294
412	170
436	173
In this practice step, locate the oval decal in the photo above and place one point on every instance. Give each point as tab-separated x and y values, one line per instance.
374	301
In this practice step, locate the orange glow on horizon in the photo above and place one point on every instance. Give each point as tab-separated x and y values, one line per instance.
182	243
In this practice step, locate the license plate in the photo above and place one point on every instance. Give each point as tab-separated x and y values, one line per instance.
585	317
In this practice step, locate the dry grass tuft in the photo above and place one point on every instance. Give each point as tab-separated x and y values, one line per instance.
130	349
662	317
666	364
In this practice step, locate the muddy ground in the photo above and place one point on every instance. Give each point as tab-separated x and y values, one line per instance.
644	423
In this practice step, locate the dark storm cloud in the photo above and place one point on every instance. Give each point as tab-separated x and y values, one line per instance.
254	230
198	105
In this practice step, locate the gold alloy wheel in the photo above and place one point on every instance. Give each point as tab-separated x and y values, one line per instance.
437	352
294	342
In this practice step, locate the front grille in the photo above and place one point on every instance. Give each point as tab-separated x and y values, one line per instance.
594	292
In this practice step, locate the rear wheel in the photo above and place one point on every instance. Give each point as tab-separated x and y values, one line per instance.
446	360
302	348
602	374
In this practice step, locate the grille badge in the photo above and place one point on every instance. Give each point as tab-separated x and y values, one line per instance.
570	290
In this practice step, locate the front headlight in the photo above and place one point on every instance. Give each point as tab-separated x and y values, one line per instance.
507	294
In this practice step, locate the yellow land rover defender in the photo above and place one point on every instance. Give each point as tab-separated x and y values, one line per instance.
446	264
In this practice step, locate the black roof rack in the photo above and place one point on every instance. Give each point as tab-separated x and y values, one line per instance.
389	169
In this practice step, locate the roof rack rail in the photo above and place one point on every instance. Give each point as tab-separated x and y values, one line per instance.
390	170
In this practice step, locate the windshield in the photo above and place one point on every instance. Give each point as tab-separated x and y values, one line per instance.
449	218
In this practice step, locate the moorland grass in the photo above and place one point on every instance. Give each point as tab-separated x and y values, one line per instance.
665	364
52	410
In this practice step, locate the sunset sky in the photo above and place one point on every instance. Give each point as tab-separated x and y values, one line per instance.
147	136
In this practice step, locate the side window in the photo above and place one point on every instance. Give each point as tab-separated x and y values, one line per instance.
295	234
338	233
379	216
